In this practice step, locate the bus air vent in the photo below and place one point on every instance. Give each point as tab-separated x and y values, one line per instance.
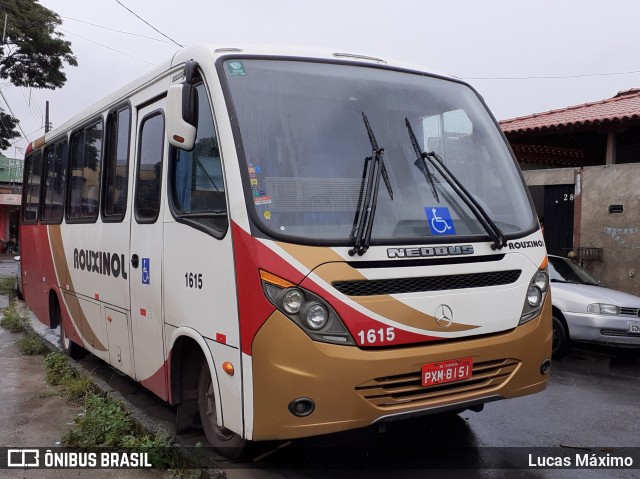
426	283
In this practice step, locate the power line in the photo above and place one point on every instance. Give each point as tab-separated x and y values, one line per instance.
143	20
105	46
12	114
119	31
556	77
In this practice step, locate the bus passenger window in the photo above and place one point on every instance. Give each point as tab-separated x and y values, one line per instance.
197	184
84	179
147	200
32	188
116	165
54	182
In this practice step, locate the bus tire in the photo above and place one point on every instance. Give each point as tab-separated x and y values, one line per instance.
225	441
70	348
561	339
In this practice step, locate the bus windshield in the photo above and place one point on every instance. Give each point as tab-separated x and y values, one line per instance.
305	149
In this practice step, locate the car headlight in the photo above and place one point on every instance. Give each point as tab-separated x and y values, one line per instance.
599	308
536	294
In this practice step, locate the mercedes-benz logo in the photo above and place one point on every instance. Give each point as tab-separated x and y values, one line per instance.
444	316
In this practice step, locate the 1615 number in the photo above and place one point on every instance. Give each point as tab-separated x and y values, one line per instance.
193	280
374	336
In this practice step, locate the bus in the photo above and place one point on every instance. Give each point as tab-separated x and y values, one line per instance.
288	243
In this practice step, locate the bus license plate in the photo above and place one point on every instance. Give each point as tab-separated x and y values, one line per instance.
634	327
446	371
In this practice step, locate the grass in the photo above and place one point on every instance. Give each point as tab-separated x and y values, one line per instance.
32	344
8	287
12	320
105	422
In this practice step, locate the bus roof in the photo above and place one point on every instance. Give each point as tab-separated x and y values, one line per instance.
200	52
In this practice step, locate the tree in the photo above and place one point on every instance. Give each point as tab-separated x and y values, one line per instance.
7	130
33	53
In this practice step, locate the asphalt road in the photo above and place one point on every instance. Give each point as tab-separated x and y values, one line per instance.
590	405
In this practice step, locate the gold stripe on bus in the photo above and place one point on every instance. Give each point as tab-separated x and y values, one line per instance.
64	279
313	256
334	268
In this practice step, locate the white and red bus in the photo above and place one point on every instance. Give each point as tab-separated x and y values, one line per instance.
290	243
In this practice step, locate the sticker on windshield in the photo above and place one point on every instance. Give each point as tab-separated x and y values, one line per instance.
236	68
262	200
440	222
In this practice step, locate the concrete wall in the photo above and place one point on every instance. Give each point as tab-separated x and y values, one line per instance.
618	234
556	176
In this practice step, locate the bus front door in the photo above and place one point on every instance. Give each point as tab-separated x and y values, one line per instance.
146	251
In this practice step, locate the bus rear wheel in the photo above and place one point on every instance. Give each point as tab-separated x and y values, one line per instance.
70	348
225	441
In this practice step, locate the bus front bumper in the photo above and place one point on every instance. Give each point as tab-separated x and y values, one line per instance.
352	388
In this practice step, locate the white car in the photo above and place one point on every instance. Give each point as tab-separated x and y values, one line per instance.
584	310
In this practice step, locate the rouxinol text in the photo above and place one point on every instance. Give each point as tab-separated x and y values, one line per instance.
101	262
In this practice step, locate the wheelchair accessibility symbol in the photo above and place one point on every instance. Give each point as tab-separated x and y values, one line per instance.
440	222
146	273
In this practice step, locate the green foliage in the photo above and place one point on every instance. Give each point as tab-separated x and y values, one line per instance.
12	320
33	54
106	423
78	387
32	344
58	369
7	285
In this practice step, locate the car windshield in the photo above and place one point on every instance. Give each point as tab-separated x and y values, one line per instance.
304	148
562	270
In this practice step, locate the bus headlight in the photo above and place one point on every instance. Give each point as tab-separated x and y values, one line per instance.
536	294
315	315
292	300
310	312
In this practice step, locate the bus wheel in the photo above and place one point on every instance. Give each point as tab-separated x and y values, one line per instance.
70	348
226	442
561	340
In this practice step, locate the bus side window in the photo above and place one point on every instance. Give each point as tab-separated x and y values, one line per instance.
149	178
116	165
197	184
84	177
54	182
32	187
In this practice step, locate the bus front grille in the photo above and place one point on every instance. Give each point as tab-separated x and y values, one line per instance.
427	283
407	389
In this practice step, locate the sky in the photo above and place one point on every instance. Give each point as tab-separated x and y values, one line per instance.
586	50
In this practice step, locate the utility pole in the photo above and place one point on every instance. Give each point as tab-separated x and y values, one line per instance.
46	117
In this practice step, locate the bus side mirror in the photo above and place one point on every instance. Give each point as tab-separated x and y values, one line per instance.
182	116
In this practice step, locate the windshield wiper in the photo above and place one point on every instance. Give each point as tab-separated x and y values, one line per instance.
424	158
373	169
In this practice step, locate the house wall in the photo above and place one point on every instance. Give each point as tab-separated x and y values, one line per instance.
618	234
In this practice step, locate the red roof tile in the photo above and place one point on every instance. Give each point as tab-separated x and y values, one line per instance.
624	106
